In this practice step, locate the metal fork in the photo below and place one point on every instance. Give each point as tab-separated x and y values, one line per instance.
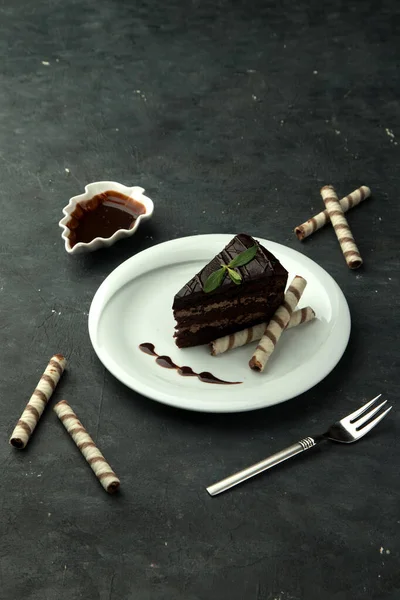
347	430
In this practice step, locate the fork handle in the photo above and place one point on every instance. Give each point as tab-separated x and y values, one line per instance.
267	463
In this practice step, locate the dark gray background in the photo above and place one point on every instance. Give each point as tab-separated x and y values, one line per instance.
232	118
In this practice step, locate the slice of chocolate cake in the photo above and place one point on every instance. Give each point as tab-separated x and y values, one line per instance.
247	293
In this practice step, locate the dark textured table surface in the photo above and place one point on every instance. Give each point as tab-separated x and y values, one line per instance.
231	117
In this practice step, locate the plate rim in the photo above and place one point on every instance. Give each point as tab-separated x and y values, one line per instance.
196	406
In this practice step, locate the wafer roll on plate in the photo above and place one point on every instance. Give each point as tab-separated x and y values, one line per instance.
251	334
277	324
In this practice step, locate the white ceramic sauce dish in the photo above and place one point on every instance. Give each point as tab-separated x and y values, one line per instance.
93	189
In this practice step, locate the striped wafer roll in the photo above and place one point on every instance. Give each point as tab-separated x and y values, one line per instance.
251	334
86	445
341	227
37	403
277	324
322	218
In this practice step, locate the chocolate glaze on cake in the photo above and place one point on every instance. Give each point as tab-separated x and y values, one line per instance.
202	317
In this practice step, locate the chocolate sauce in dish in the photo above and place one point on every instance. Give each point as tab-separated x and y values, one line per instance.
102	216
167	363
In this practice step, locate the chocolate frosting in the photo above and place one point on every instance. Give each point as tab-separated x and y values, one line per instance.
263	265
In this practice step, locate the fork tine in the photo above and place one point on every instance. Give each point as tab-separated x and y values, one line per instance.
371	425
365	418
362	410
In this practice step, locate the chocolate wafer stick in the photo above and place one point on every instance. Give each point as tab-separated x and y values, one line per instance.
86	445
341	227
251	334
322	218
277	324
37	402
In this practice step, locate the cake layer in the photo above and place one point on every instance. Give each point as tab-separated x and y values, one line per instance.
208	334
239	294
242	321
229	311
207	331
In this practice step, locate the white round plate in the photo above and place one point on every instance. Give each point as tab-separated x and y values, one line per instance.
133	306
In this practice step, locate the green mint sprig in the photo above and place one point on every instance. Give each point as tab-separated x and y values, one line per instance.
216	278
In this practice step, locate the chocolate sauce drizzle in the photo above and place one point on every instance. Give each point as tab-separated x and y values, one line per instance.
167	363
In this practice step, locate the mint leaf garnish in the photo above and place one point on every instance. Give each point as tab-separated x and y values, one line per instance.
214	280
244	257
236	277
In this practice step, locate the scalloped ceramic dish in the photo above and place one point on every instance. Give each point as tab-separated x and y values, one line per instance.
91	190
